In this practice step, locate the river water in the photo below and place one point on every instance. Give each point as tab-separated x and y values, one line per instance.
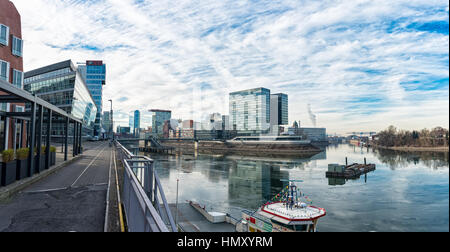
407	192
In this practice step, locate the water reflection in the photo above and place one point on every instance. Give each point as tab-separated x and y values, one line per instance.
257	178
336	181
400	159
386	200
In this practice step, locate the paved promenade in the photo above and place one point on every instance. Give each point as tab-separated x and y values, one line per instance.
73	199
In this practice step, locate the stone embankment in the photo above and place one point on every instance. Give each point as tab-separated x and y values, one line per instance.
247	148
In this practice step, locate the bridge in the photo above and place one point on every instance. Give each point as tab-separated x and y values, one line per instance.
151	144
361	134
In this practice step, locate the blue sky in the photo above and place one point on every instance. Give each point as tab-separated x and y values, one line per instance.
358	65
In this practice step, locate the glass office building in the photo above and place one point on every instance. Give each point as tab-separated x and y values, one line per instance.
159	117
137	123
62	85
279	111
94	74
250	111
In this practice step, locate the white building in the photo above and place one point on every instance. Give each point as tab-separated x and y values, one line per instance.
250	110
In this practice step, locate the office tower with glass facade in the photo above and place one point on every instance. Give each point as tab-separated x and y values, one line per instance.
137	123
250	111
62	85
12	132
159	117
94	74
279	111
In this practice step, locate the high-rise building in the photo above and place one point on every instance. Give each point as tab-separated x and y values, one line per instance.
11	70
61	84
250	111
279	111
94	74
137	122
159	117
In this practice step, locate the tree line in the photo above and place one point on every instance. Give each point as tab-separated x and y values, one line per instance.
393	137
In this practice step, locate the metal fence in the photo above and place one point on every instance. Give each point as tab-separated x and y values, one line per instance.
145	204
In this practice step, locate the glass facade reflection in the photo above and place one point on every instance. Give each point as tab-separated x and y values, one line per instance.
62	85
250	110
94	74
158	119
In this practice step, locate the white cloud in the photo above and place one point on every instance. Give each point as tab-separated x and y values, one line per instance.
327	54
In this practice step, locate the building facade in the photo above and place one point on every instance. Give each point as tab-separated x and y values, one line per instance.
12	132
123	130
279	112
159	117
61	84
94	74
137	122
279	109
250	111
313	134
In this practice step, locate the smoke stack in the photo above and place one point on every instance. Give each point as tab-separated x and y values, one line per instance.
312	116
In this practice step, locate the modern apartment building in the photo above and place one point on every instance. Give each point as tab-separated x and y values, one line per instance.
12	130
94	74
62	85
250	111
159	117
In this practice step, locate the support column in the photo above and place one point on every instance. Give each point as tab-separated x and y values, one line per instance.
14	131
39	138
48	141
5	127
31	140
80	137
66	139
74	150
22	133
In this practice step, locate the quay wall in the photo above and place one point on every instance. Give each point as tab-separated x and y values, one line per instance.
247	148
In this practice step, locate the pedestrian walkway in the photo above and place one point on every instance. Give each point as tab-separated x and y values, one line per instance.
73	199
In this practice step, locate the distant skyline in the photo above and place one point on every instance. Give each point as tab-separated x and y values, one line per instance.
348	65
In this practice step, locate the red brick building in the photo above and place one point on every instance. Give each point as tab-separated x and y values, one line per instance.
11	70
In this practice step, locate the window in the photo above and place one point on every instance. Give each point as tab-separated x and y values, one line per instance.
4	70
17	47
17	78
4	35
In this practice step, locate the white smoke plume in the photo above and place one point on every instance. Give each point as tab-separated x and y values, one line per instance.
312	116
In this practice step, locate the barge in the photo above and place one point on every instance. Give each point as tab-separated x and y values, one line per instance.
353	171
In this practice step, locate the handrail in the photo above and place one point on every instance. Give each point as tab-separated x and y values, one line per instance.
140	197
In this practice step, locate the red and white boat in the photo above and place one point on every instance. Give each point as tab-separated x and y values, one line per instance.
289	214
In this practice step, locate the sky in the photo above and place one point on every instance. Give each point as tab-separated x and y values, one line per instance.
349	65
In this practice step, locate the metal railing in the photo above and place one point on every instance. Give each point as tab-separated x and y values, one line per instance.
142	198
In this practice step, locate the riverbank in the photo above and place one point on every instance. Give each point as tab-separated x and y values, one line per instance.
414	148
252	149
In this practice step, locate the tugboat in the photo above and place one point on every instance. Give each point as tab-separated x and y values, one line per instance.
285	213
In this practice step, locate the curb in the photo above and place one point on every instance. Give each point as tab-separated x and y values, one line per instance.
8	191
